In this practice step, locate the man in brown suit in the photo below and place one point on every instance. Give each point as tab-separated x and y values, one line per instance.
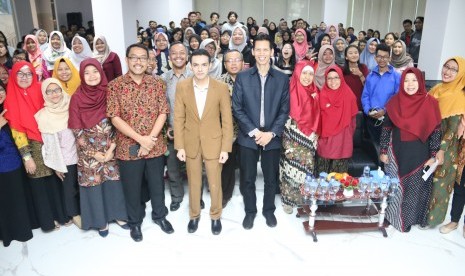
203	129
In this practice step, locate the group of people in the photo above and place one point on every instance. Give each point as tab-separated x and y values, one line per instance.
82	143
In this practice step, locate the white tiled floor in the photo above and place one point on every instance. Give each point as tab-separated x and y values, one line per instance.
284	250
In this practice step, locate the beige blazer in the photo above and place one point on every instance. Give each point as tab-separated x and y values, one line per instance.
213	133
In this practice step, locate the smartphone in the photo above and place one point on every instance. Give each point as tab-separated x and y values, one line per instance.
134	150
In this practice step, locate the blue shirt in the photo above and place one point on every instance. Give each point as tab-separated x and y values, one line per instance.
379	88
10	159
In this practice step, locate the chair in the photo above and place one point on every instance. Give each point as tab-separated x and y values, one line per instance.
366	152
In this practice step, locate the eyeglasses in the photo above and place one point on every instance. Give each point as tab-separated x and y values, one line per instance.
333	79
382	57
135	59
53	91
160	40
231	60
451	69
22	75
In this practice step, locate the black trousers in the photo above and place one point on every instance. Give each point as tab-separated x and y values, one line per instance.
270	169
132	176
374	128
228	174
458	200
71	192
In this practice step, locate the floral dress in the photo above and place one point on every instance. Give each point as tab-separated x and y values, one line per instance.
89	141
297	160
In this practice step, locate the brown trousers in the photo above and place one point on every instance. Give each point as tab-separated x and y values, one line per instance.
194	177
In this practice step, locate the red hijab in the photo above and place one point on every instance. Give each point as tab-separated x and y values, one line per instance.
337	106
22	103
415	115
89	103
304	101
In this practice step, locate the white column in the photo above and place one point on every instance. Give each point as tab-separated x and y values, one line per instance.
335	11
442	35
116	19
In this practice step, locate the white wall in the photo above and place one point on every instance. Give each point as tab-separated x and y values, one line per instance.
335	11
66	6
162	11
442	35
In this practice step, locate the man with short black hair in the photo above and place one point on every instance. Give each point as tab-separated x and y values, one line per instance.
261	108
232	22
414	48
203	132
233	62
136	104
179	71
406	35
380	85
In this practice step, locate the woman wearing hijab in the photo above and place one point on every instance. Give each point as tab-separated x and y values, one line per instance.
355	73
67	74
323	39
224	43
410	138
162	53
56	49
4	74
238	42
300	44
399	58
23	101
451	100
80	51
34	52
339	46
101	192
187	35
14	213
367	56
333	32
59	149
42	38
338	107
325	60
109	60
300	135
194	43
216	68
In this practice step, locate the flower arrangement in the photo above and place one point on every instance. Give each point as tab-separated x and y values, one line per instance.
349	182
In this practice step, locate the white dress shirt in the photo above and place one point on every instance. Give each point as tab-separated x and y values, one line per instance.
200	97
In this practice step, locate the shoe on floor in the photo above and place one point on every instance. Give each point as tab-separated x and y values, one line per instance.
451	226
288	209
216	226
122	224
270	220
193	225
165	225
174	206
103	233
248	221
136	233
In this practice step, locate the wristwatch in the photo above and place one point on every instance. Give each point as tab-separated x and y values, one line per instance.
27	157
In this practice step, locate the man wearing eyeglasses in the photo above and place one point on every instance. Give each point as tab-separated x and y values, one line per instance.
380	85
137	106
233	62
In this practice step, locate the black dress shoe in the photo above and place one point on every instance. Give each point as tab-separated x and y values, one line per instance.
202	204
193	225
248	221
216	226
136	233
270	219
165	225
174	206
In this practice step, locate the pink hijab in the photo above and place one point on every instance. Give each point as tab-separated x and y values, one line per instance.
300	48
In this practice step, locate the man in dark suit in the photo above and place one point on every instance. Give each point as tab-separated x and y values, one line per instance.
261	108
